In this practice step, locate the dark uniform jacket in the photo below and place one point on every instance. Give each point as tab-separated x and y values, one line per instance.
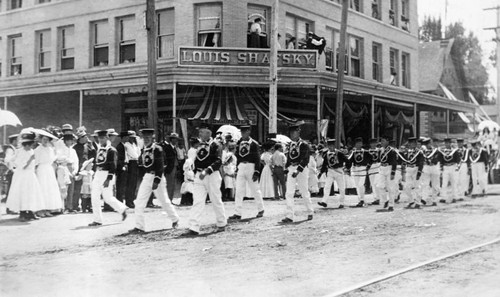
333	160
169	157
298	154
374	155
247	151
151	161
106	160
478	155
389	157
121	157
449	157
360	157
84	152
414	158
208	157
432	156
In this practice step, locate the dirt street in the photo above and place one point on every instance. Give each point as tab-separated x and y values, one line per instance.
257	257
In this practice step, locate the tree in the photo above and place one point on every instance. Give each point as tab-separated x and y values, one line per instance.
466	53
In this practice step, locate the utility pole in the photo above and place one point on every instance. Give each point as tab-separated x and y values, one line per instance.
151	27
340	73
273	72
497	30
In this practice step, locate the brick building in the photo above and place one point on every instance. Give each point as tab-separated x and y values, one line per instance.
60	59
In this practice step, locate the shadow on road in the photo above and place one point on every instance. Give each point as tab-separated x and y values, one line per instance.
93	227
12	222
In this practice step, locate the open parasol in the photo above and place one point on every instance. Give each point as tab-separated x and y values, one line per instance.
9	118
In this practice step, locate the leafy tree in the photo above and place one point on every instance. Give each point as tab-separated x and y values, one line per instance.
430	29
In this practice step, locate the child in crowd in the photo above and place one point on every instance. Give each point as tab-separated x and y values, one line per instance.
86	174
187	185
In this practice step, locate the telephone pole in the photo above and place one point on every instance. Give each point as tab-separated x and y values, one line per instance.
273	72
151	27
497	39
340	73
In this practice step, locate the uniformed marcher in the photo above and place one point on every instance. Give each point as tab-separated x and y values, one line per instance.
450	160
335	166
248	164
400	175
207	181
361	161
478	159
153	181
374	169
430	173
414	163
298	175
104	179
463	171
387	182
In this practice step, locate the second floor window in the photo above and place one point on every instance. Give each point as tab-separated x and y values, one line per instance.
127	39
394	66
393	19
44	42
259	25
296	32
376	62
355	56
67	48
355	5
15	59
376	9
405	70
100	43
405	15
15	4
209	25
166	33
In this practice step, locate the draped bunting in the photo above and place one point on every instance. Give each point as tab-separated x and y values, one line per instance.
400	117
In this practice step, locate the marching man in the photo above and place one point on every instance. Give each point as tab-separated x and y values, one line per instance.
207	181
450	160
478	159
430	172
387	182
104	179
298	175
360	160
151	161
335	164
247	154
463	171
414	163
374	169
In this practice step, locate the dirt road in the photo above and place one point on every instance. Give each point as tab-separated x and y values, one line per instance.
61	257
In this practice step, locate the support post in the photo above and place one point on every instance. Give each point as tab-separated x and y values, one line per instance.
373	116
415	122
318	112
80	110
273	72
174	107
151	27
340	73
447	123
5	127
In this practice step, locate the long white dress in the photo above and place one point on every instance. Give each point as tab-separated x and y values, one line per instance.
45	158
266	177
25	192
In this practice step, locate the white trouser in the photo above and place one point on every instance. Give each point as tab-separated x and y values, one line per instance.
302	183
463	180
358	174
388	187
98	189
145	190
430	182
373	172
209	185
450	176
479	178
411	185
336	175
244	177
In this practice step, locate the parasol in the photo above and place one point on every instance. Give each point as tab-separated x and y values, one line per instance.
488	124
283	139
9	118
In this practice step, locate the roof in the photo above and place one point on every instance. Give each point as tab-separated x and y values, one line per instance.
432	58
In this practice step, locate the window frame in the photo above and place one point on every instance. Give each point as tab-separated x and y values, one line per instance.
405	70
215	30
19	4
267	18
405	15
122	43
63	48
377	65
12	40
160	36
376	9
393	13
98	46
394	65
353	7
43	1
309	26
43	51
359	58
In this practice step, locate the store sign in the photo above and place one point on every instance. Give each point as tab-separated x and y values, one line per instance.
213	56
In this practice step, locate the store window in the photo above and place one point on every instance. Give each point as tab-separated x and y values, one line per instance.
296	32
259	26
67	48
100	42
405	70
15	4
126	40
209	25
405	15
376	9
43	50
15	59
355	47
166	33
377	62
394	66
393	9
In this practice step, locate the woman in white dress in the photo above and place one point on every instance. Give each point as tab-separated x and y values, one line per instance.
266	177
45	156
25	193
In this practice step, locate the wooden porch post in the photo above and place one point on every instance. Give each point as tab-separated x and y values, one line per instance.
5	127
80	110
174	107
447	123
318	112
415	122
373	116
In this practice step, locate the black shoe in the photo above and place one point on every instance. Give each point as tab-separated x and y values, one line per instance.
136	231
390	208
175	225
341	206
287	220
376	202
386	204
234	217
442	201
322	204
95	224
410	205
260	214
309	217
124	215
423	201
360	204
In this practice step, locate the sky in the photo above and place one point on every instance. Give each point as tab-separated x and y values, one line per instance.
472	14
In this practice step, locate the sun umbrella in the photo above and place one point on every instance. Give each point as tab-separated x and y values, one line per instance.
230	130
283	139
9	118
488	124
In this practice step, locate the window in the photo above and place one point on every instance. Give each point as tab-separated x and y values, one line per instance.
355	56
394	65
15	4
1	54
356	5
376	9
166	33
67	47
15	59
296	32
43	1
209	25
127	34
393	20
405	15
261	38
43	47
100	34
377	62
405	70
